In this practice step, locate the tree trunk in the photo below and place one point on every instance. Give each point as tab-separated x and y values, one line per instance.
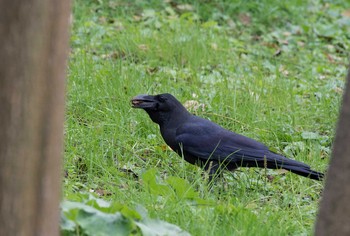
334	213
33	52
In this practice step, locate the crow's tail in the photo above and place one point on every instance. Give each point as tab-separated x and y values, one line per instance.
294	166
306	172
276	161
272	160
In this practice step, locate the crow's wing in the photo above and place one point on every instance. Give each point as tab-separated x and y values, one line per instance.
205	139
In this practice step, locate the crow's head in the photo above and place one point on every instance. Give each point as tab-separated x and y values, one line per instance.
161	108
160	102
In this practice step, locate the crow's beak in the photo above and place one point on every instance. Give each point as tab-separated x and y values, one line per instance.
143	101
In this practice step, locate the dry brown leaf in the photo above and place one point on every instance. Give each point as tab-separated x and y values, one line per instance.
143	47
338	90
346	13
270	178
136	18
282	171
194	105
103	192
214	46
185	7
301	43
330	57
283	70
245	19
278	52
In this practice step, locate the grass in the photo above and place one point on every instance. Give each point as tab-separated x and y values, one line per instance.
270	70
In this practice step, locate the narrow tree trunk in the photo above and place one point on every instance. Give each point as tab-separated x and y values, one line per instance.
33	52
334	213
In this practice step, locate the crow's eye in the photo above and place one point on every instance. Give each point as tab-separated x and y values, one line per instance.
162	98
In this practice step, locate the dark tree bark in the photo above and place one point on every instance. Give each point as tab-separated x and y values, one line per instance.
33	52
334	213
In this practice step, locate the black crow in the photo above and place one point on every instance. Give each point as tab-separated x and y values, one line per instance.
207	144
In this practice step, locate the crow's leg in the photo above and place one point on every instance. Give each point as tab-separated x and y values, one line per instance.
213	171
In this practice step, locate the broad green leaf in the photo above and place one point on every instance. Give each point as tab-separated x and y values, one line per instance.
292	148
97	223
67	224
310	135
182	188
97	202
154	185
150	227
